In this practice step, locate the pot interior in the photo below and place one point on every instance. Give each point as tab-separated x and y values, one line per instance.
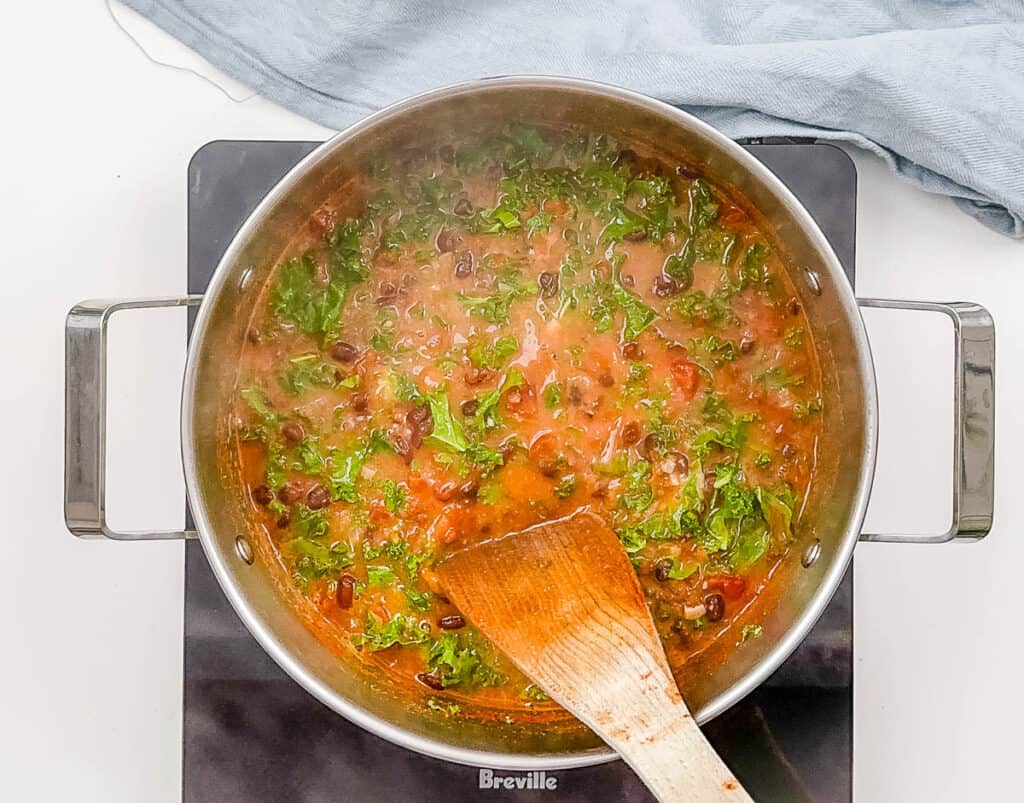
845	453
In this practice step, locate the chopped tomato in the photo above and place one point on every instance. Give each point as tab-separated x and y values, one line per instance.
732	587
687	377
521	401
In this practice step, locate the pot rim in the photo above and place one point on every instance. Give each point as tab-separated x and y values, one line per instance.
542	761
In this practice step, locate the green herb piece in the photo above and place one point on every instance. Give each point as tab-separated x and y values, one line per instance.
552	395
804	410
717	352
260	405
380	575
703	206
715	410
680	266
314	560
311	524
489	493
638	315
398	630
311	459
794	337
540	222
763	460
392	549
347	466
753	271
638	494
405	388
486	417
636	382
778	378
566	486
750	632
413	561
732	437
623	222
394	496
274	472
456	660
713	244
417	599
493	355
448	709
448	432
535	693
509	288
680	571
307	371
698	306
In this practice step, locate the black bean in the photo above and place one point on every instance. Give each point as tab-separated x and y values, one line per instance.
344	352
464	265
789	450
291	492
627	158
430	681
360	402
606	380
318	497
714	605
639	235
469	407
446	491
631	433
575	395
463	207
664	286
421	424
448	240
662	568
633	351
474	375
346	590
253	335
627	280
262	495
650	446
402	447
451	622
549	467
470	488
548	282
293	431
600	490
793	307
283	520
746	345
387	292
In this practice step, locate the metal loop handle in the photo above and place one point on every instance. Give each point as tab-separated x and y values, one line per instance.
85	417
974	419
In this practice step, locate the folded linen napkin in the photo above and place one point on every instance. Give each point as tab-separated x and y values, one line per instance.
934	88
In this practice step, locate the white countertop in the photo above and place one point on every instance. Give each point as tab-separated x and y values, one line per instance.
96	144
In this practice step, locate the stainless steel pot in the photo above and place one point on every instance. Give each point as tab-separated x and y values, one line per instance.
830	527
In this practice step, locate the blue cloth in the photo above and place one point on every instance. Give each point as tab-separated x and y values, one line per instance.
934	88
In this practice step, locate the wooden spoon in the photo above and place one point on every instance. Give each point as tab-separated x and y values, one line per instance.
563	602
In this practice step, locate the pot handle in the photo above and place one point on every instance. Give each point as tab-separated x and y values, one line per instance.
85	417
973	419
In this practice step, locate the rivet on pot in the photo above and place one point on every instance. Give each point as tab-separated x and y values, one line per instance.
811	554
243	550
813	281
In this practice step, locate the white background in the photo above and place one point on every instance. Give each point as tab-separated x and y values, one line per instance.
96	140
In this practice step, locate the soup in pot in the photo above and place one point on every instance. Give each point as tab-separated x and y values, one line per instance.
513	327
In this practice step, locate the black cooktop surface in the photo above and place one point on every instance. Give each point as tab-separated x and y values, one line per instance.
252	734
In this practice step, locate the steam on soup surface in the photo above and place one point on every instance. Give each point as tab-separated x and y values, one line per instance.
515	327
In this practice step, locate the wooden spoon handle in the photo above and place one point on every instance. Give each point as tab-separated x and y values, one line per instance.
657	736
632	702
